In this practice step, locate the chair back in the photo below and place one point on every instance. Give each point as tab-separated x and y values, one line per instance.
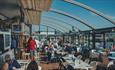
110	63
93	63
69	67
79	56
62	66
112	67
87	61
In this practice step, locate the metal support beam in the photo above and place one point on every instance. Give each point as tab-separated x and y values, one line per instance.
30	27
93	40
89	39
78	40
104	41
63	37
47	30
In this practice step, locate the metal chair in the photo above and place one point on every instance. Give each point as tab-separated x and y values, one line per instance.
61	65
87	61
79	56
93	63
110	63
69	67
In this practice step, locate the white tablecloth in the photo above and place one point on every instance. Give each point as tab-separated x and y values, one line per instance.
77	63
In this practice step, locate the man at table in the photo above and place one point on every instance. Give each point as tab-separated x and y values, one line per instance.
68	48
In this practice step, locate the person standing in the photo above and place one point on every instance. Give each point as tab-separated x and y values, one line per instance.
37	47
32	46
14	45
37	44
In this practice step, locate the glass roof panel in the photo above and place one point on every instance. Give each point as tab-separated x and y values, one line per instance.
104	6
67	20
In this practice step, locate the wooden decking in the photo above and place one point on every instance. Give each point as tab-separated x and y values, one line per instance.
50	66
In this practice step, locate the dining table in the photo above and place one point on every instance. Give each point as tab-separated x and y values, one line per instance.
77	63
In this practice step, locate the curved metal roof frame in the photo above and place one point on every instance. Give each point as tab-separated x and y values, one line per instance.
52	21
51	27
90	9
59	28
62	22
75	18
68	15
55	25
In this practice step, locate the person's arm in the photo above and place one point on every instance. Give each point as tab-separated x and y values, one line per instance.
35	44
16	64
5	66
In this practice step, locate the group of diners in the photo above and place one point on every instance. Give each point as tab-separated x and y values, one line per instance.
101	60
13	64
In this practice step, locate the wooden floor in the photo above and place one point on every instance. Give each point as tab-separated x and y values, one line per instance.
53	66
50	66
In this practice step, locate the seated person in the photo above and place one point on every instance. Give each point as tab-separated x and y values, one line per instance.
68	49
12	64
111	67
32	66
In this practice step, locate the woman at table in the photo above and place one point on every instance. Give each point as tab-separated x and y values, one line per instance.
5	66
32	47
12	63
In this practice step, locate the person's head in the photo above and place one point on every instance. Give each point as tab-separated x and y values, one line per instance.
8	58
32	66
29	39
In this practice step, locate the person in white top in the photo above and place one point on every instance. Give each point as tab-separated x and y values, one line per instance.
37	42
37	45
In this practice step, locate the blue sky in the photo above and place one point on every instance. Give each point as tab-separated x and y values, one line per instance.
104	6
